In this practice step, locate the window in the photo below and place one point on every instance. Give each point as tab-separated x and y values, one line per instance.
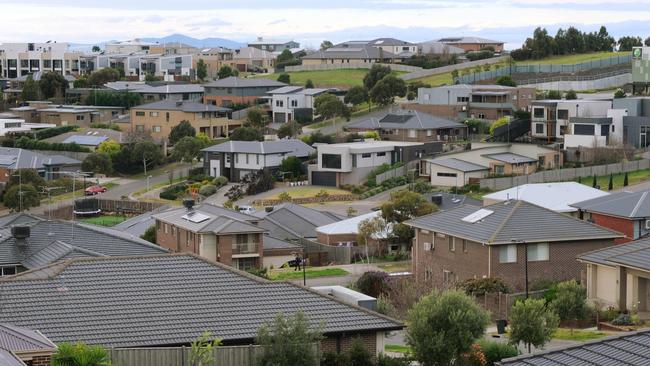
227	158
157	129
153	114
429	132
508	253
245	264
354	160
537	252
498	169
294	103
8	270
542	161
428	247
588	130
279	103
539	128
365	155
462	99
428	274
413	133
167	116
383	153
139	128
447	276
80	117
331	161
452	175
452	244
562	114
229	90
139	114
166	228
464	245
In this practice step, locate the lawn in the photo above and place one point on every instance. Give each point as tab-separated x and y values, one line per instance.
577	335
437	79
104	220
291	274
397	348
343	78
304	192
633	178
573	59
393	267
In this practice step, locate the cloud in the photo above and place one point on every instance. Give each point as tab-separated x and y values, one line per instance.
278	21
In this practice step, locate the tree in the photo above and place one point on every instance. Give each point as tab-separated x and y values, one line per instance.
443	326
309	84
30	90
506	80
620	93
53	84
201	69
554	95
285	57
284	78
183	129
329	106
325	45
109	147
96	49
610	186
293	165
80	354
26	176
100	77
626	43
149	234
405	205
201	350
498	123
29	194
246	134
571	95
149	152
376	73
97	163
255	118
289	129
288	341
187	149
385	91
359	354
370	228
356	95
532	323
224	72
373	283
570	301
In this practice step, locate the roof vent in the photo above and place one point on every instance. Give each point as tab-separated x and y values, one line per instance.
189	204
20	233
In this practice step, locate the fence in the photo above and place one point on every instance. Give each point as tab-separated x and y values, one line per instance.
602	81
338	255
449	68
397	172
558	175
106	205
180	356
499	303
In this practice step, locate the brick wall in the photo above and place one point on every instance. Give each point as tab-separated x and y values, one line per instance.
176	239
40	361
342	343
623	226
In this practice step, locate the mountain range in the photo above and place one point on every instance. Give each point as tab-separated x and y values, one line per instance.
172	38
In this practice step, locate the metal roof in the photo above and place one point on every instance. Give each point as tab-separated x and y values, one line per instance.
291	221
8	358
237	82
292	147
457	164
351	226
511	158
634	205
185	106
625	349
165	300
406	119
557	196
512	220
15	158
85	140
18	339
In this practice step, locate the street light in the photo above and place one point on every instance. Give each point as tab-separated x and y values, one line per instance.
516	241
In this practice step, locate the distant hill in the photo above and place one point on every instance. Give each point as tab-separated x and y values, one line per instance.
173	38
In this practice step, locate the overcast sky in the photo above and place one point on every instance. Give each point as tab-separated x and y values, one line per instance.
94	21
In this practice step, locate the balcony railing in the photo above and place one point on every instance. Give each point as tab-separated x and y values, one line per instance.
245	248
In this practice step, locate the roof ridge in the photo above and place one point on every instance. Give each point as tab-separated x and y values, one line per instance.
505	219
638	204
15	331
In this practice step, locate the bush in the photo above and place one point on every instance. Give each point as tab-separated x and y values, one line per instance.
220	181
373	283
495	351
481	286
284	197
31	144
174	192
150	234
259	272
207	190
53	131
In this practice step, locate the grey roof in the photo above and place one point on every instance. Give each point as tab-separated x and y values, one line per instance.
625	349
633	205
18	218
291	221
271	243
633	254
14	158
467	40
406	119
389	42
8	358
289	89
510	220
439	48
20	339
450	200
137	225
218	220
185	106
94	132
85	140
457	164
144	88
350	52
164	300
511	158
292	147
237	82
50	241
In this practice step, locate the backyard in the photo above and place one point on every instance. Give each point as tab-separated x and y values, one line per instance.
292	274
634	177
343	78
104	220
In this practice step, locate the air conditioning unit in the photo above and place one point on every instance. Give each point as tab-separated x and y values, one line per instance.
427	247
647	224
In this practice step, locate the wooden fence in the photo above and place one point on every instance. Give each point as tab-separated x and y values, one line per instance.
64	212
499	304
338	255
180	356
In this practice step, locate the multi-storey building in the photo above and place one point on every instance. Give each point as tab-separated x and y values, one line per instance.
20	59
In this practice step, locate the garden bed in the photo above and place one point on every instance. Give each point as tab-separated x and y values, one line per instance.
308	200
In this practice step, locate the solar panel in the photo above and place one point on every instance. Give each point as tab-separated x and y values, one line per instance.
477	216
395	118
195	217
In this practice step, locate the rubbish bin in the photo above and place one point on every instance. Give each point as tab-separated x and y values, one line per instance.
501	326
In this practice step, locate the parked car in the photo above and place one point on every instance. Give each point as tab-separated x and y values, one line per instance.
247	209
93	190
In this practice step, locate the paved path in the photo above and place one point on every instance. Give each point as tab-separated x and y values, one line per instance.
219	198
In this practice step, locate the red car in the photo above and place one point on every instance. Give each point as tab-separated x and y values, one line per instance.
93	190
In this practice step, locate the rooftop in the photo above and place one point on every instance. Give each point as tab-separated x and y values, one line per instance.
15	158
351	52
635	254
351	225
457	164
633	205
511	158
470	40
407	119
290	221
237	82
451	200
207	218
291	146
185	106
556	196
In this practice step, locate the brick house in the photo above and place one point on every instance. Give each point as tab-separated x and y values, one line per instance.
24	347
470	242
625	212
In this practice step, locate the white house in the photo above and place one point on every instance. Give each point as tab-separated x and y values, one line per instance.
10	125
294	102
550	118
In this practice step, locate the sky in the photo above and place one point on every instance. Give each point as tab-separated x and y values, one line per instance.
310	22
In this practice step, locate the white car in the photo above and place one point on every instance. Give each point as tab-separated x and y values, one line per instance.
247	210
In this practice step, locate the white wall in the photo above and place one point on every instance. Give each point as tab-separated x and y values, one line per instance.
585	140
208	247
616	129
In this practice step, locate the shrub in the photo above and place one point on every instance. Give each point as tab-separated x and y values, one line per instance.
481	286
284	197
220	181
373	283
150	234
259	272
53	131
207	190
495	351
173	192
624	319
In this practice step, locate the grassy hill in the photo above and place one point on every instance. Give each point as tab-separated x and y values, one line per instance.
572	59
344	78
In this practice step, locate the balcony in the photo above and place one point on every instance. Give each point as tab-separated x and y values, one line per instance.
245	248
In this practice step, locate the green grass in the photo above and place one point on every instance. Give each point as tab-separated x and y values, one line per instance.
633	178
397	348
577	335
573	59
290	274
344	78
396	266
437	79
104	220
303	192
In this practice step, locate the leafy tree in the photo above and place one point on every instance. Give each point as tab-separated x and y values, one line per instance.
132	157
113	98
570	301
80	354
498	123
532	323
620	93
30	197
285	57
201	69
201	350
292	165
329	106
30	90
96	49
100	77
385	91
288	341
376	73
109	147
443	326
284	78
53	84
255	118
246	134
309	84
356	95
373	283
610	186
26	176
225	71
289	129
571	95
626	43
187	149
97	163
405	205
149	234
318	137
183	129
554	95
506	80
370	228
325	45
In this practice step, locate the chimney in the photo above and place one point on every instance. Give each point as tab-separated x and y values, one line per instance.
437	199
189	204
20	233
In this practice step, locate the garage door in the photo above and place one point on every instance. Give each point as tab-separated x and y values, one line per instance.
327	179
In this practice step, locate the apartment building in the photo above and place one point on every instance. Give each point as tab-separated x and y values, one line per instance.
130	46
21	59
158	118
290	103
138	65
236	90
214	58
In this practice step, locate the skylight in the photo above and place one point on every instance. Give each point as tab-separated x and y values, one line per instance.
477	216
195	217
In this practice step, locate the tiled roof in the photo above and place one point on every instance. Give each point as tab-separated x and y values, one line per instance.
633	254
271	243
164	300
291	146
351	52
291	221
137	225
237	82
216	220
622	204
407	119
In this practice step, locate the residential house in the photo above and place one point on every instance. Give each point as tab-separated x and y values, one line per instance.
346	233
350	163
64	115
349	54
47	166
556	196
470	44
129	46
273	45
251	59
30	243
550	118
214	58
447	201
620	349
14	125
88	137
155	91
290	103
291	222
625	212
402	49
618	276
411	125
456	169
636	120
463	101
235	90
495	241
179	297
438	48
158	118
172	48
138	225
137	65
21	347
21	59
236	159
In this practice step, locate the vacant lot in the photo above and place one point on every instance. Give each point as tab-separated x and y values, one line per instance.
344	78
573	59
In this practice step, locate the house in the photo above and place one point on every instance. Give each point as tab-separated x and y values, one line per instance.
470	44
411	125
155	91
400	48
14	125
273	45
625	212
47	166
349	54
235	90
128	46
236	159
88	137
550	118
438	48
158	118
636	120
22	346
137	65
179	297
619	276
251	59
493	241
629	348
213	59
291	222
350	163
290	103
345	233
30	242
556	196
456	169
463	101
63	115
137	225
